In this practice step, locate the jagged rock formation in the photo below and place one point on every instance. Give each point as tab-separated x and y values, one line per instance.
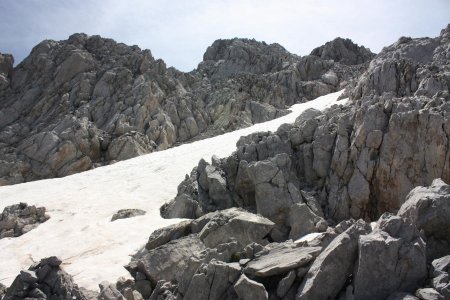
88	101
18	219
46	280
355	161
359	161
352	260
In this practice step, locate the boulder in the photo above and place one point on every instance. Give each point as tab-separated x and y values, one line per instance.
303	221
279	259
247	289
236	224
333	266
428	208
18	219
166	261
214	280
109	291
429	294
45	280
127	213
286	283
394	256
164	235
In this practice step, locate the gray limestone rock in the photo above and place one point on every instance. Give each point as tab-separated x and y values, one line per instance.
18	219
45	280
428	208
285	284
164	235
109	291
127	213
166	261
393	256
214	281
237	224
302	221
280	258
333	265
248	289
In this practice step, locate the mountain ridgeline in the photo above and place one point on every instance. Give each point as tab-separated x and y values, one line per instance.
89	101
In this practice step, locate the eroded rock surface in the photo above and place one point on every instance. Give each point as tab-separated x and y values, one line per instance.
354	161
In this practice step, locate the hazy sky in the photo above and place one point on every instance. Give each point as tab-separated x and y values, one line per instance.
180	31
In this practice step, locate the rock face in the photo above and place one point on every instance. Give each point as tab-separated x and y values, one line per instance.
358	161
376	159
18	219
45	280
334	265
88	101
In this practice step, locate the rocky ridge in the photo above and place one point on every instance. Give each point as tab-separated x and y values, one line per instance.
361	161
88	101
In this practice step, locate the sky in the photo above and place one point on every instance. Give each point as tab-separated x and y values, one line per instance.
180	31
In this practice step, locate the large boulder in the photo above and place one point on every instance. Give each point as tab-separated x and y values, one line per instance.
248	289
105	101
18	219
392	258
280	258
344	51
214	281
237	224
45	280
428	208
166	261
333	266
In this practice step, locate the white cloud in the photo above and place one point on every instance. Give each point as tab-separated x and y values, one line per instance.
180	31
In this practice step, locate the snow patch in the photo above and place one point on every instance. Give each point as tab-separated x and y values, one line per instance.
80	206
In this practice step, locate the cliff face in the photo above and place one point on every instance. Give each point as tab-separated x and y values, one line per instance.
88	101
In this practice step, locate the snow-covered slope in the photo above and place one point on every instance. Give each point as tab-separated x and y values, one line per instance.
79	231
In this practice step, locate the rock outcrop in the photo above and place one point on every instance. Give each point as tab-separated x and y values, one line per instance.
387	259
45	280
88	101
354	161
18	219
376	159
